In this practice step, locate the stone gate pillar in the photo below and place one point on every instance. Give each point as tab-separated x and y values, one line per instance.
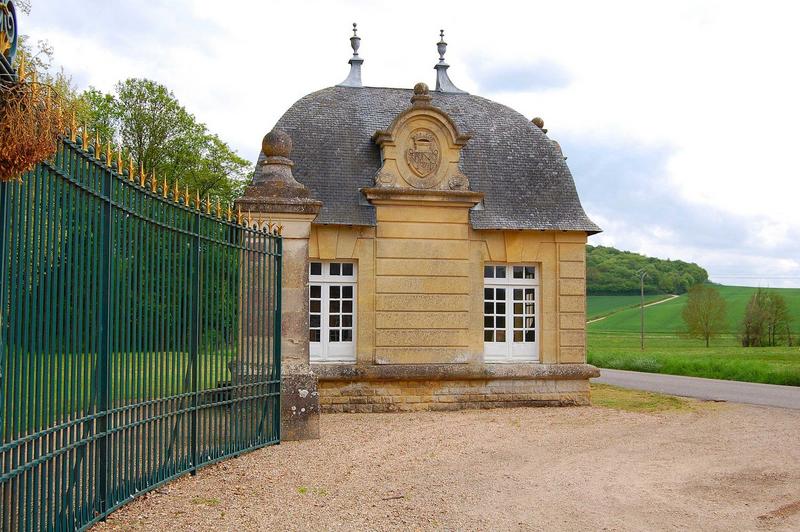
275	196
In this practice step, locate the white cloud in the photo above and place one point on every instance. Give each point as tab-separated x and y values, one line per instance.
715	80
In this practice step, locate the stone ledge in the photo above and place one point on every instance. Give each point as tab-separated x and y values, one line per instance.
417	372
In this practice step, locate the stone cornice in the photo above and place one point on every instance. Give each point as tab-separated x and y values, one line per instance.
422	372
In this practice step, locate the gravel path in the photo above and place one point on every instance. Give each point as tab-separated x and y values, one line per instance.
716	467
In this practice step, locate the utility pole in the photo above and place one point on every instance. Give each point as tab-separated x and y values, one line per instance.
642	274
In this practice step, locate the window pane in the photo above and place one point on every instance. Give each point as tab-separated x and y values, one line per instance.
314	321
501	308
517	294
517	336
347	269
334	306
488	335
488	321
529	272
334	292
347	335
530	336
518	322
316	268
347	292
501	294
518	272
315	305
347	306
488	272
500	273
334	320
488	293
517	308
488	308
335	268
501	336
529	308
500	322
316	291
347	321
313	335
334	336
529	294
529	323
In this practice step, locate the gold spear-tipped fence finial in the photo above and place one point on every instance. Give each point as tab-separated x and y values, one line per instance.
154	183
249	218
186	196
85	138
219	209
109	153
176	193
229	213
73	128
280	230
119	160
165	188
197	201
142	175
98	147
22	71
131	169
239	215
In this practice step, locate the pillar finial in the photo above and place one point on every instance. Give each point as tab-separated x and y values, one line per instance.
354	77
443	83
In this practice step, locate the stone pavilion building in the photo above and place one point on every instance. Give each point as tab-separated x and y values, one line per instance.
434	253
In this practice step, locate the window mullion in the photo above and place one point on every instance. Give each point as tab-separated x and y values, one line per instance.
324	318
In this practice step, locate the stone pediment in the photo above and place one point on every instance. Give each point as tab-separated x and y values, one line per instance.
421	149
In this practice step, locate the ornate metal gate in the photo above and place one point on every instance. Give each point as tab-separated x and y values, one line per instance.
139	337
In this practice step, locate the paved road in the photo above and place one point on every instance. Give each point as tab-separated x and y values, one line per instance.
710	389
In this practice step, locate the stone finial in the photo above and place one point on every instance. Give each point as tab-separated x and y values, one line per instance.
538	122
274	169
354	77
443	83
422	97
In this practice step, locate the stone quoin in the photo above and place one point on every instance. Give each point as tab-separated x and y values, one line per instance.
434	254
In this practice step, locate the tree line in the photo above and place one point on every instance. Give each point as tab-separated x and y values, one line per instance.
610	271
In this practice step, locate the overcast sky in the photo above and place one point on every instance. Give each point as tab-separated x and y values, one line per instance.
679	118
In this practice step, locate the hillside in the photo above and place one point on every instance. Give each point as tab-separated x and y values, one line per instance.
613	272
665	318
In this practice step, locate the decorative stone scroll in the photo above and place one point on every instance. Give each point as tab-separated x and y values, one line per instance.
422	148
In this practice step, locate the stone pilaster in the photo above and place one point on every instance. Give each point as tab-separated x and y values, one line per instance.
275	196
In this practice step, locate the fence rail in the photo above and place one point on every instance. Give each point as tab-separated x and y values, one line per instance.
139	339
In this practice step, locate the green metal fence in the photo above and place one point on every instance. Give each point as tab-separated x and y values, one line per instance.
139	338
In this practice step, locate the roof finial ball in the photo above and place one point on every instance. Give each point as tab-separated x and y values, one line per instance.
277	143
422	97
538	122
421	89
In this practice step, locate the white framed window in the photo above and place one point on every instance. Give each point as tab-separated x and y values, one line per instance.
510	313
332	311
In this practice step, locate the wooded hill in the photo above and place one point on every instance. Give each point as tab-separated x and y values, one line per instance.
611	271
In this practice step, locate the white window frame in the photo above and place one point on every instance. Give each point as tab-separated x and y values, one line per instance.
327	350
509	351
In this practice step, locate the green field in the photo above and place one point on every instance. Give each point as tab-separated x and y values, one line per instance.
598	306
614	342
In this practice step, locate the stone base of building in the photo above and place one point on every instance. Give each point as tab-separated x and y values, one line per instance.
345	388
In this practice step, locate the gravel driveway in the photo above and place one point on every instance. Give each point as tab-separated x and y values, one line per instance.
713	467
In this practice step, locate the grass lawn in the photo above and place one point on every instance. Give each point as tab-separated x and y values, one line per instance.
614	343
682	356
599	306
636	401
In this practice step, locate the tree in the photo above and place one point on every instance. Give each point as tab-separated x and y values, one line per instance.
766	320
704	313
161	135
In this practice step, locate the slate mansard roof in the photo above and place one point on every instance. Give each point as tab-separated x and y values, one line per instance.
523	174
